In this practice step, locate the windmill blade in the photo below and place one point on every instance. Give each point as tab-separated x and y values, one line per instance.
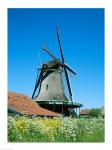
45	49
37	83
60	44
70	70
68	83
65	66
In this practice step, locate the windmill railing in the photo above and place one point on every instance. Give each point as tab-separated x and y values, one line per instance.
65	103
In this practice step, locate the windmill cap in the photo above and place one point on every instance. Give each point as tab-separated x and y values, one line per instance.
50	64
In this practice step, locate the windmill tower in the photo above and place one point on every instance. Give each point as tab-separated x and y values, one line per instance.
51	92
52	87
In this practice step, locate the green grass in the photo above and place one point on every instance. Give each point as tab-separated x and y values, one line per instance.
97	137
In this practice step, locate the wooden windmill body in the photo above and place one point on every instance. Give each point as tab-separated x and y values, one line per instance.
52	87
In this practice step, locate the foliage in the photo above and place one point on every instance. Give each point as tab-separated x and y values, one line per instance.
95	112
24	129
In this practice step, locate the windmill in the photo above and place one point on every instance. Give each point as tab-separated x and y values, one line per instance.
50	84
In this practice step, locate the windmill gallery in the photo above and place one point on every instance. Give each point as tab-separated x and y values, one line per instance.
49	91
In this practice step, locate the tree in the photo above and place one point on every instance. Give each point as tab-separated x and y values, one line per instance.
95	112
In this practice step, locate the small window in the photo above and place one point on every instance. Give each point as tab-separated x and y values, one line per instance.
46	87
53	77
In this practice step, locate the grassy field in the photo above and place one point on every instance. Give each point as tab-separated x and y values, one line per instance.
24	129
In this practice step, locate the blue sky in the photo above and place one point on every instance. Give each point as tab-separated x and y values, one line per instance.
82	38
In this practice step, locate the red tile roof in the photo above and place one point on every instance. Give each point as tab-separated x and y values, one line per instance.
85	112
25	105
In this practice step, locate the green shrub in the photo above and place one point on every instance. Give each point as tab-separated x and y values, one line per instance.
95	113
